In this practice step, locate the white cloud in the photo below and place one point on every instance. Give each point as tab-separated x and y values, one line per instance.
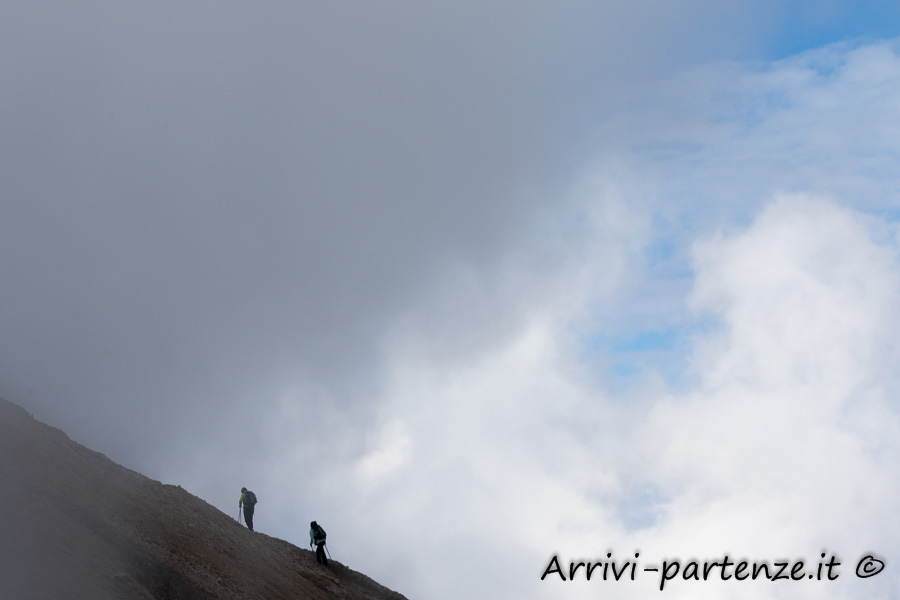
779	444
497	442
788	445
716	141
391	451
784	449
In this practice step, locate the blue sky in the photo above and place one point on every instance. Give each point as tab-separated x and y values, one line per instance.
807	25
513	280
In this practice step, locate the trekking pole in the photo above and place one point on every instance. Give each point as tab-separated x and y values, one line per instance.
326	550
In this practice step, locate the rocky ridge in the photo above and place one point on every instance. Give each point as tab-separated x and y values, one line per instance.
75	525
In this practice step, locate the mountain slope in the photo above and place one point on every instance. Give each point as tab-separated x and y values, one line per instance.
75	525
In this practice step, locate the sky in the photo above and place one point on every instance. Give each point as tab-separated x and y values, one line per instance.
473	285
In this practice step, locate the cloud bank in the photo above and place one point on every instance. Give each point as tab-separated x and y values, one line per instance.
773	441
782	448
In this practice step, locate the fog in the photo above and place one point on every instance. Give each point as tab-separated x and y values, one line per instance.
358	257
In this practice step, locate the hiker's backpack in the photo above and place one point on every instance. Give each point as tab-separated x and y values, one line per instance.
249	498
319	532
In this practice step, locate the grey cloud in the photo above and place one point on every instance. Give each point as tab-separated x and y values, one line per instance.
201	201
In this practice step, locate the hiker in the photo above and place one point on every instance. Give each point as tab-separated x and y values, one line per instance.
317	537
248	501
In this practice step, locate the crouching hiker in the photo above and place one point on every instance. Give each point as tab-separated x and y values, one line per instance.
317	537
248	501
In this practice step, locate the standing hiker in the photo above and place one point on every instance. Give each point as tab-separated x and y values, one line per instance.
248	501
317	537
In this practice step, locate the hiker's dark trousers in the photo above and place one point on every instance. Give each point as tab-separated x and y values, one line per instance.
320	553
248	516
